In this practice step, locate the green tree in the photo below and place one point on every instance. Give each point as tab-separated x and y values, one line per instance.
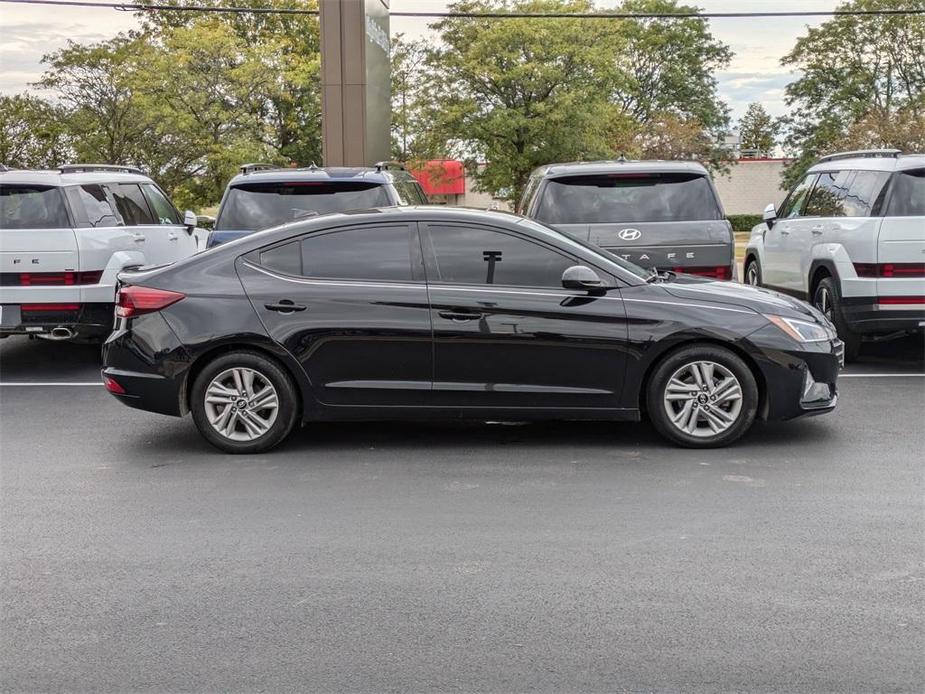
757	130
33	133
411	101
856	69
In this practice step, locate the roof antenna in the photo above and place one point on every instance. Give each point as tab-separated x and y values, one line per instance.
622	158
312	166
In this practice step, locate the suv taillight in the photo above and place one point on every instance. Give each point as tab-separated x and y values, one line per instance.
890	269
135	301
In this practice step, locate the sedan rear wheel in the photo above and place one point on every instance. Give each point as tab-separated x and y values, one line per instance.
244	402
702	396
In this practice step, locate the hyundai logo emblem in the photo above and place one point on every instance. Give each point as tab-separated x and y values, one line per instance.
630	234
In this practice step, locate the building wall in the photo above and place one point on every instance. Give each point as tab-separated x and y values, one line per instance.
750	185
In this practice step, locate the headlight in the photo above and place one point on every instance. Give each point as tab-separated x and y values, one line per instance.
801	330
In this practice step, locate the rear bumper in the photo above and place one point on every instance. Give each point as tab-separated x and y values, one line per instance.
89	319
866	316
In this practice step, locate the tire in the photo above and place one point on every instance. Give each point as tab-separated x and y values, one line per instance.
228	382
719	414
752	273
827	299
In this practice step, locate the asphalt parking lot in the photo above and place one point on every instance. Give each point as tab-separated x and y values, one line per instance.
458	557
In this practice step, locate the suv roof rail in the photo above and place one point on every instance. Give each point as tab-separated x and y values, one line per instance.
861	154
86	168
386	165
256	166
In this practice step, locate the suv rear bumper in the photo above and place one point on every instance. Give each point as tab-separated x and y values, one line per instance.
866	316
94	319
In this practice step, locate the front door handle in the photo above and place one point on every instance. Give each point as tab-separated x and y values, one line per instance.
460	315
172	237
285	306
784	231
817	229
138	238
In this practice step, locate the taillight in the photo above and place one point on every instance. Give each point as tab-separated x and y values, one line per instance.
49	307
112	386
717	272
890	270
59	279
135	301
896	300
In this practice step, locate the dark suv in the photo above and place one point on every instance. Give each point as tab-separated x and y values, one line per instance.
264	196
657	214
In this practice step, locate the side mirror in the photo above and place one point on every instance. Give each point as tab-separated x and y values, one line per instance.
189	221
770	215
582	277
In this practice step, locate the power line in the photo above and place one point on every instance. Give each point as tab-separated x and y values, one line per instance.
237	9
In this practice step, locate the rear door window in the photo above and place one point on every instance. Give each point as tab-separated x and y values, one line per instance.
410	192
131	204
828	196
163	209
630	197
864	190
907	194
253	206
32	207
98	206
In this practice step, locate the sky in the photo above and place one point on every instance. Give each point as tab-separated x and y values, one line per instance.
755	74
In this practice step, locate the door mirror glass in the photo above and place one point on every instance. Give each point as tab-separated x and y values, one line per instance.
582	277
190	220
770	214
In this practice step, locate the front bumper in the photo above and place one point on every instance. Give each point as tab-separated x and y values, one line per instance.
799	379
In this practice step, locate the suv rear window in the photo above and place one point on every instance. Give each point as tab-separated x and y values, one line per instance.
254	206
907	197
605	198
32	207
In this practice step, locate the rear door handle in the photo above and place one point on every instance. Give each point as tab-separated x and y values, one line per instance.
817	229
285	306
172	236
138	238
460	315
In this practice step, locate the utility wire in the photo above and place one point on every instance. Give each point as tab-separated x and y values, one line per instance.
150	7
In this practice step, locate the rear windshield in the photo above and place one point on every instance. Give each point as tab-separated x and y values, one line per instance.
32	207
907	197
256	206
601	199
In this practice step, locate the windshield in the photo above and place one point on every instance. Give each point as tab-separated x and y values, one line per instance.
630	197
255	206
32	207
624	264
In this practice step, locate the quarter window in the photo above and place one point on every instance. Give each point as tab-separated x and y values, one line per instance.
472	255
32	207
99	208
165	212
131	204
907	197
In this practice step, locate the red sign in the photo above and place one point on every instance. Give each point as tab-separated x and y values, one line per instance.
441	177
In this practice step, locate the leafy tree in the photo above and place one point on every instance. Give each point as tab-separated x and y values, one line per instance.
410	99
856	70
33	133
757	130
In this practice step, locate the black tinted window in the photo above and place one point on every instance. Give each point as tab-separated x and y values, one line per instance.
286	258
369	253
32	207
472	255
907	197
627	198
131	203
793	205
100	212
255	206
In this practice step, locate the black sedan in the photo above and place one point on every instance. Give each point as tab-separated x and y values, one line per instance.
453	313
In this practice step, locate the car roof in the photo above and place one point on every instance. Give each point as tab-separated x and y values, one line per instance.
333	174
56	178
577	168
899	162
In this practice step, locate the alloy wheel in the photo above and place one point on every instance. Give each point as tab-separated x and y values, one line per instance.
824	302
751	275
703	399
241	404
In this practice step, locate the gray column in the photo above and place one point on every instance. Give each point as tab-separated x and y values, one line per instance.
355	82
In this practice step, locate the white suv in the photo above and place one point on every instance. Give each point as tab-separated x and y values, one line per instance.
66	234
850	238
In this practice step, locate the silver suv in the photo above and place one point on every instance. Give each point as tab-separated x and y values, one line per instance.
66	234
850	237
656	214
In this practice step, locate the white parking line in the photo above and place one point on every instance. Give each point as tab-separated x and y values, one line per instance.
881	375
24	384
